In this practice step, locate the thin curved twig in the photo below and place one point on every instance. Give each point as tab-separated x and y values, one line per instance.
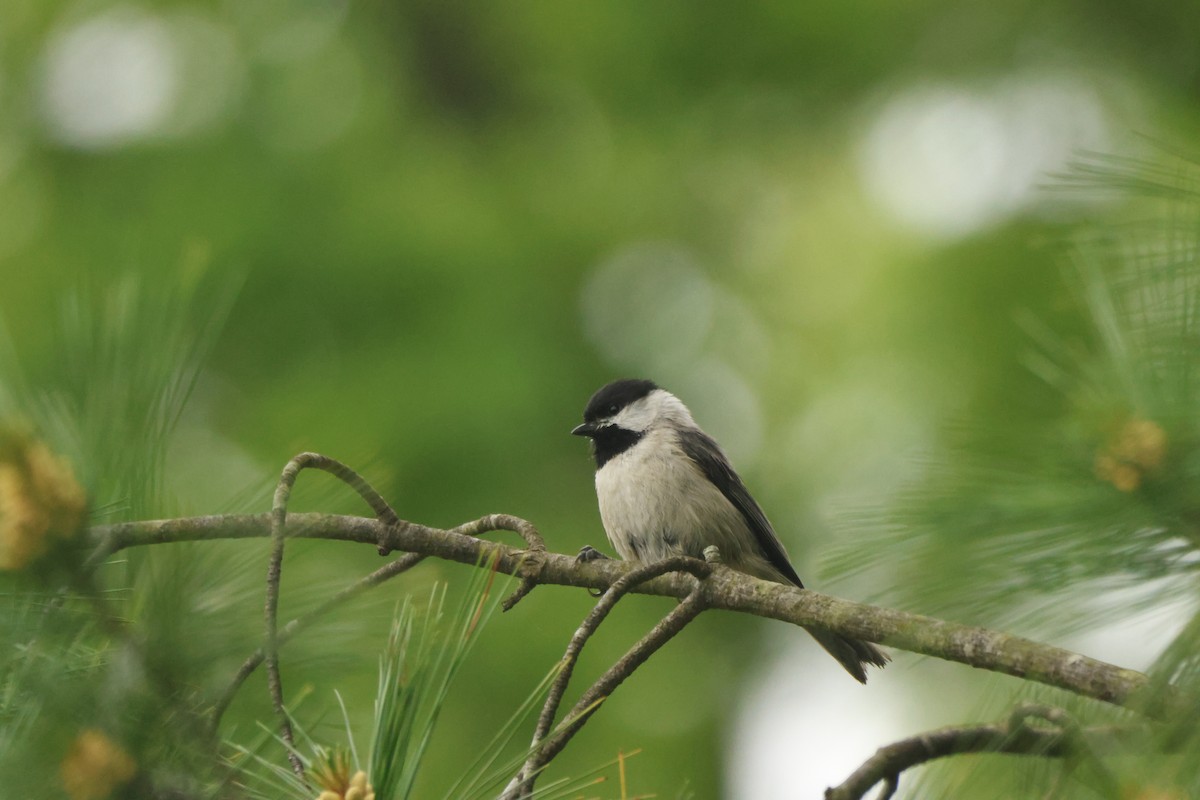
1015	736
493	522
544	749
283	491
383	511
503	522
535	549
271	610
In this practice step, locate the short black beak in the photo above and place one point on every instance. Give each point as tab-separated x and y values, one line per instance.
586	429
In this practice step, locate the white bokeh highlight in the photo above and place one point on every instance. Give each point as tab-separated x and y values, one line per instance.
648	306
652	311
109	79
725	405
946	160
126	76
212	75
805	725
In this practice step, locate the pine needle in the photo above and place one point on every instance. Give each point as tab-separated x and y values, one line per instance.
416	672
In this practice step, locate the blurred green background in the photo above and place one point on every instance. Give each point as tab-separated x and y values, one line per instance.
826	226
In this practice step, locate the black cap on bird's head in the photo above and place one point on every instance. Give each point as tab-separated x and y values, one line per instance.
608	401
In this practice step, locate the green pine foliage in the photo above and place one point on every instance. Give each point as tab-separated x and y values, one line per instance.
415	676
111	676
1073	505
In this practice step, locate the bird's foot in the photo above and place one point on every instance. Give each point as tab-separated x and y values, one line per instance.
588	553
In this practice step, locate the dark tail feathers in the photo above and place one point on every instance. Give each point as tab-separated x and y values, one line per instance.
850	653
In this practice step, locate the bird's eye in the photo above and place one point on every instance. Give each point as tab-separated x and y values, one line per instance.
614	408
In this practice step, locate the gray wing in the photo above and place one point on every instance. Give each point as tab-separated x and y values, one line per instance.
703	449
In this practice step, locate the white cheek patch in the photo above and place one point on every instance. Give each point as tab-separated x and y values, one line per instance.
634	417
641	414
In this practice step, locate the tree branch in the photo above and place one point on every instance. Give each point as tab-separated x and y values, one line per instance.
544	749
283	491
725	589
271	608
1016	736
390	570
687	610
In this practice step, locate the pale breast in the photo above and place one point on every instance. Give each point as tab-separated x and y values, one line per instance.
655	503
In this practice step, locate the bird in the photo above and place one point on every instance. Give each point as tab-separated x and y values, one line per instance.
665	488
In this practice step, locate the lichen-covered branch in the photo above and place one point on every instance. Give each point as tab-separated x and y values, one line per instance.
725	589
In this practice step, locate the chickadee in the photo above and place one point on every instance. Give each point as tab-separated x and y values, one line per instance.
666	488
